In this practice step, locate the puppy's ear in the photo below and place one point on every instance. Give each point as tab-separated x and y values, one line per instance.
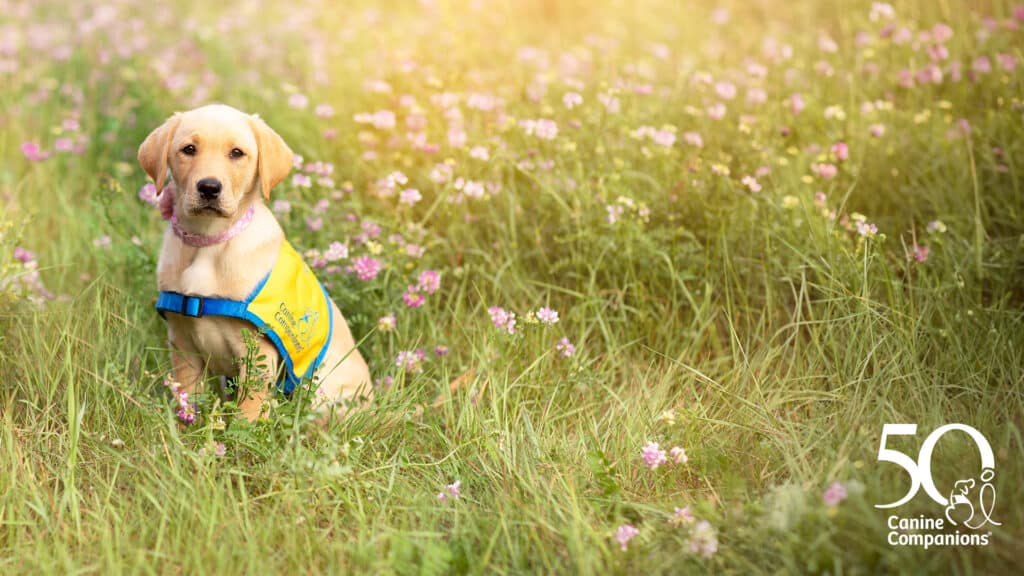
153	151
275	157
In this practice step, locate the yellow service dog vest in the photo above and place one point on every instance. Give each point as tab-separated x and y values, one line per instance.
289	306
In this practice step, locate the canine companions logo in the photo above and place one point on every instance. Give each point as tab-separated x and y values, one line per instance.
970	501
299	330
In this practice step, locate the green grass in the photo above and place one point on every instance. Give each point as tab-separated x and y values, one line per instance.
770	341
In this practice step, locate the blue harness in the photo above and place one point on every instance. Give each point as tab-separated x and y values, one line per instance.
288	307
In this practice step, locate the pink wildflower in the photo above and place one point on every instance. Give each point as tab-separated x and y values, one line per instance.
32	151
725	90
387	323
841	151
503	319
429	281
410	197
796	103
324	111
716	111
412	298
751	183
336	251
703	540
625	533
678	455
693	139
22	255
366	268
411	361
186	410
834	494
682	516
653	455
826	171
920	253
565	348
547	316
148	194
451	492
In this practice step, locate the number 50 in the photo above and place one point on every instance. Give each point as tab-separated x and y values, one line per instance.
921	471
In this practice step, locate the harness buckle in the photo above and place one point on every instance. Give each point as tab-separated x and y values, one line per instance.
192	306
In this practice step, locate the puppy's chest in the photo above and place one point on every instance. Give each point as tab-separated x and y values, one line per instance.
218	339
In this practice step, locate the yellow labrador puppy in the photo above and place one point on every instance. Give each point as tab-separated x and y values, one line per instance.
226	267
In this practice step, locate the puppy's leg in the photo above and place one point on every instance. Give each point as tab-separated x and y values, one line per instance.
257	381
186	364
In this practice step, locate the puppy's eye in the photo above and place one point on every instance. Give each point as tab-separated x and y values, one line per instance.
189	150
236	153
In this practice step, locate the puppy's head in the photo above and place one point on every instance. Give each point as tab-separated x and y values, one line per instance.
218	157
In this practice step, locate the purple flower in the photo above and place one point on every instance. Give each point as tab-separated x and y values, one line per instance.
220	450
703	540
429	281
387	323
920	253
625	533
336	251
547	316
409	196
148	194
410	360
841	151
366	268
324	111
834	494
826	171
441	351
503	319
678	455
565	348
412	298
22	255
33	152
451	492
653	455
186	410
682	516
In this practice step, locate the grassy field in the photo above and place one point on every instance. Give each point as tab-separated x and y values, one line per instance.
768	228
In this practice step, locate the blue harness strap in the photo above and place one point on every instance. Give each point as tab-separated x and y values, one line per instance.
199	306
289	306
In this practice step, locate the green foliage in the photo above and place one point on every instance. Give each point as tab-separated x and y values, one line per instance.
771	334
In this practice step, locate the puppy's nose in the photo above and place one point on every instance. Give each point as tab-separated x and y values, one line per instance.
209	188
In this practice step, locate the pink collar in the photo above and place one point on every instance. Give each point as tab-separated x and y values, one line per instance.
201	240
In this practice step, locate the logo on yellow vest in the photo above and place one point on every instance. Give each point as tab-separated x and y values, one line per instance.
299	330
